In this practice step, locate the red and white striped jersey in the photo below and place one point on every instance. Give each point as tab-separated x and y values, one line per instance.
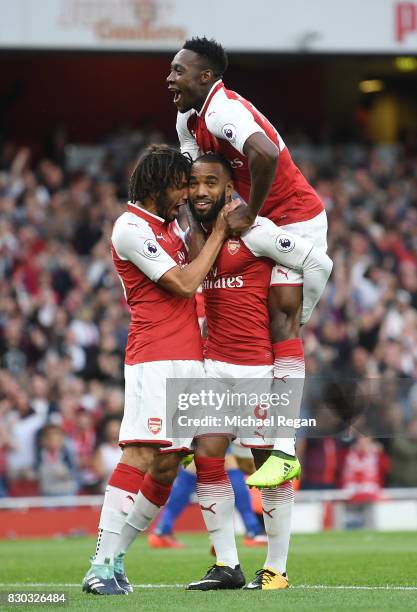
163	327
222	126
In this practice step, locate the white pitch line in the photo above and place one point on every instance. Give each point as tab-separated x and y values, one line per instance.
70	585
355	587
75	585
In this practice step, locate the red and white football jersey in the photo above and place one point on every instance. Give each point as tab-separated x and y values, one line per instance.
222	126
163	327
236	292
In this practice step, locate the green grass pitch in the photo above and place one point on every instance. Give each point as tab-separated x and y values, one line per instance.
328	571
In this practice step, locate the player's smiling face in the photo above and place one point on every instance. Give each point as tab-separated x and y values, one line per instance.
188	80
169	201
209	188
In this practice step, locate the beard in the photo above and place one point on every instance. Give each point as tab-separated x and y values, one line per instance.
211	214
163	204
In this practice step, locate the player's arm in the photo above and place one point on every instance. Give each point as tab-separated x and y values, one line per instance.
195	237
188	143
232	122
262	157
137	243
184	282
192	233
196	240
266	239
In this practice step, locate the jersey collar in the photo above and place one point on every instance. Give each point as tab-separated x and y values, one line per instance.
216	86
144	214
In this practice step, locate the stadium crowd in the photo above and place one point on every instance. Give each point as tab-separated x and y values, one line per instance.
64	320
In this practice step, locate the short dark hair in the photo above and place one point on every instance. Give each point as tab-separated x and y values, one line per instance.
47	429
214	158
159	167
211	51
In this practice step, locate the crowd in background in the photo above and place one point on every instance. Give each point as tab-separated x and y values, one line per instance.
64	320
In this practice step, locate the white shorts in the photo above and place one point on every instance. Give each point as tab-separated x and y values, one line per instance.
147	417
245	385
314	230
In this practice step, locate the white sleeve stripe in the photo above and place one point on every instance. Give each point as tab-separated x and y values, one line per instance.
163	271
265	239
118	254
229	120
137	243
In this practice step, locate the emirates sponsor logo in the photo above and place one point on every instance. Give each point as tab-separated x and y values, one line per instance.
222	282
236	163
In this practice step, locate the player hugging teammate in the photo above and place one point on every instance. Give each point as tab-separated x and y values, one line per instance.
164	342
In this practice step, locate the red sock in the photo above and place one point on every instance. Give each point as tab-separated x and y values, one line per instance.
126	477
119	500
151	497
154	491
289	359
210	469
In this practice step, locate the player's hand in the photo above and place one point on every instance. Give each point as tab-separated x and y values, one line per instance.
231	206
222	221
221	226
240	219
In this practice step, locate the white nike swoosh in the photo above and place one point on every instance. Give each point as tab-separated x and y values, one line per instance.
203	581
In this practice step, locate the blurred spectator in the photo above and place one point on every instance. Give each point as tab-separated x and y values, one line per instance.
108	452
5	444
320	456
40	401
56	463
364	471
84	442
23	423
404	457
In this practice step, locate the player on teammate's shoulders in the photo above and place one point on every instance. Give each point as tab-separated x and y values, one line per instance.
214	119
239	349
163	342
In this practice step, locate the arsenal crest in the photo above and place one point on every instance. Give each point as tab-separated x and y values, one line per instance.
233	246
154	425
